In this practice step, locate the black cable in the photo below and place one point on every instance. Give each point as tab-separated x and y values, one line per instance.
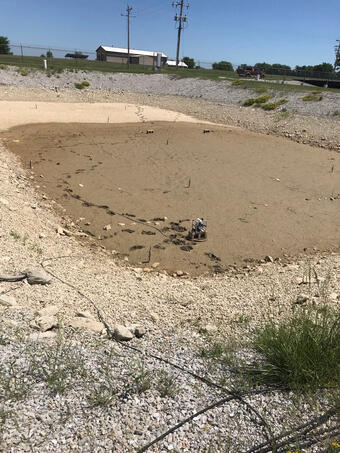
235	395
306	427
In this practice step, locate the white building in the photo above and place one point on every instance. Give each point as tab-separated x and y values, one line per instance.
172	64
120	55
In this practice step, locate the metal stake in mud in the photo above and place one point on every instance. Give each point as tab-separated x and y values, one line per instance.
198	230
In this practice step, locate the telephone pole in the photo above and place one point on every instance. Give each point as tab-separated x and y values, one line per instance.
337	55
128	15
180	20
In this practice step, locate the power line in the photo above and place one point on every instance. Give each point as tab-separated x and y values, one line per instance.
180	20
128	15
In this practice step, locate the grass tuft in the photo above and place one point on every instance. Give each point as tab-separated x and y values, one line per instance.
79	86
237	82
24	73
166	384
302	353
85	83
312	97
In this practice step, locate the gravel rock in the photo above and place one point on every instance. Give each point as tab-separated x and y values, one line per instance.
48	335
88	324
7	301
122	333
302	299
50	310
44	323
37	277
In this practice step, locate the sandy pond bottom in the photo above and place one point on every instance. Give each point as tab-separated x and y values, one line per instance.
136	192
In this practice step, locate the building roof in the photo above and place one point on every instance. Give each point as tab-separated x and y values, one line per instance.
132	51
181	64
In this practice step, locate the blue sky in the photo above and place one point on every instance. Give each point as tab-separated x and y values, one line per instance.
276	31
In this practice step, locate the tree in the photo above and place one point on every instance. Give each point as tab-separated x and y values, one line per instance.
281	66
324	67
4	45
243	66
190	62
49	54
264	66
223	66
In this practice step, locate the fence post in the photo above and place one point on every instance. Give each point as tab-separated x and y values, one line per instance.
22	53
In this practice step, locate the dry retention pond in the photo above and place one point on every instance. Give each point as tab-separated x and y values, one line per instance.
136	192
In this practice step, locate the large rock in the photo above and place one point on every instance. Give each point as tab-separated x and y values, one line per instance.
50	310
137	330
85	314
37	336
7	301
37	277
44	323
122	333
87	323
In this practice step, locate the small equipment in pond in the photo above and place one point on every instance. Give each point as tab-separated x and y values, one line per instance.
198	230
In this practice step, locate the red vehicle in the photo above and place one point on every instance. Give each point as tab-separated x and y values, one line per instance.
250	71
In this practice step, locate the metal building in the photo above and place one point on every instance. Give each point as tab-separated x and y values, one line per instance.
120	55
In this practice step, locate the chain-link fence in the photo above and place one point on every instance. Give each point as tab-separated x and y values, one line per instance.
58	59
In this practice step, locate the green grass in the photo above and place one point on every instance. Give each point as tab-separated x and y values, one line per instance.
58	65
336	113
79	86
301	353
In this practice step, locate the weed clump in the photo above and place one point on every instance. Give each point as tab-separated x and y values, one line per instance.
312	97
24	73
261	90
336	113
237	82
273	105
260	100
302	353
82	85
249	102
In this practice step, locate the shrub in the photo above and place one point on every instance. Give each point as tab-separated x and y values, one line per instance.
249	102
336	113
312	97
269	106
24	73
79	86
274	105
301	353
2	66
262	99
85	83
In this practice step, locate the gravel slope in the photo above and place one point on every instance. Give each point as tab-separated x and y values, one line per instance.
222	91
176	313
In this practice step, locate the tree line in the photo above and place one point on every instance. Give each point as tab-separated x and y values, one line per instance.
275	68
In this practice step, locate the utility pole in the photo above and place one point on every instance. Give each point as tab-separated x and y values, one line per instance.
337	55
180	20
128	15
